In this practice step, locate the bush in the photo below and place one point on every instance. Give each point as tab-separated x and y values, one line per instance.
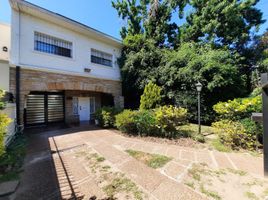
238	108
145	122
4	122
106	116
233	134
151	96
125	121
168	118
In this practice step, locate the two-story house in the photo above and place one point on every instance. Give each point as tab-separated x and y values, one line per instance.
60	69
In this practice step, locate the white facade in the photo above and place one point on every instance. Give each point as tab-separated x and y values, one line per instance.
28	19
4	56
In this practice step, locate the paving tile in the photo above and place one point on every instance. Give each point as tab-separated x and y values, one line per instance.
173	152
147	177
174	170
112	154
171	190
187	155
222	160
204	157
247	163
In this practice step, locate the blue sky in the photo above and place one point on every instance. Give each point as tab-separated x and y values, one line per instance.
97	14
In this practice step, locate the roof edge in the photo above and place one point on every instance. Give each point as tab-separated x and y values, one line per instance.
15	4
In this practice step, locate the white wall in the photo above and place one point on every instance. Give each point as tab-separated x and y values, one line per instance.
4	75
23	39
4	41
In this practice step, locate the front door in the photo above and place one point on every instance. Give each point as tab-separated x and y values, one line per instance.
84	108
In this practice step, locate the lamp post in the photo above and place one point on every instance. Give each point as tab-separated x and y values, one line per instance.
199	89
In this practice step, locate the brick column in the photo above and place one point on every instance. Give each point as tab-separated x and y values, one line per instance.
119	101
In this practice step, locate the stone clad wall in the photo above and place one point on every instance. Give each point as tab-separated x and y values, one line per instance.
32	80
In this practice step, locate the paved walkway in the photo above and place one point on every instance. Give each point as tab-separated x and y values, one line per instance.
69	178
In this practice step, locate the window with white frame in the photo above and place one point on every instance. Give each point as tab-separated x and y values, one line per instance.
52	45
101	58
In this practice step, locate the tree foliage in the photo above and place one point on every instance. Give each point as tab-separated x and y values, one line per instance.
153	18
223	22
151	96
212	47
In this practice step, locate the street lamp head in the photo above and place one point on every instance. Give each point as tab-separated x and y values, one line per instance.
198	87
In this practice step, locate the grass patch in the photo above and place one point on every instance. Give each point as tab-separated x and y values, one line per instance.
196	172
12	160
212	194
122	185
238	172
251	195
152	160
216	144
190	184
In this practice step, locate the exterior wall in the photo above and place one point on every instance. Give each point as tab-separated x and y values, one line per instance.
4	41
70	117
23	53
4	75
32	80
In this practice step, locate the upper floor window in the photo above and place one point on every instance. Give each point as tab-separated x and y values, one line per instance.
52	45
101	58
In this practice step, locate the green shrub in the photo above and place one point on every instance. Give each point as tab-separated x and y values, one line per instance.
253	129
106	116
233	134
145	122
238	108
168	118
4	122
151	96
125	121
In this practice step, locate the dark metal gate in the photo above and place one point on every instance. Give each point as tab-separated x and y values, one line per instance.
43	108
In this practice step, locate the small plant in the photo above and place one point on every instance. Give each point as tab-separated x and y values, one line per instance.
123	185
106	116
12	160
125	121
145	122
233	134
212	194
4	122
190	184
168	118
251	195
151	96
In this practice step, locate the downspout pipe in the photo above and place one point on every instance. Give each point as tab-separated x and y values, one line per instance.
18	95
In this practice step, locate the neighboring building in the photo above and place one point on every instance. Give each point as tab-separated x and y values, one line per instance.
60	70
4	56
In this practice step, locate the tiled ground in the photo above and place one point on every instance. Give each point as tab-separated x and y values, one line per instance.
165	183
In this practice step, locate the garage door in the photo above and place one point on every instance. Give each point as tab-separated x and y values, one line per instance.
44	108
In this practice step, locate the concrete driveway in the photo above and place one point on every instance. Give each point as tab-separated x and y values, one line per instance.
53	170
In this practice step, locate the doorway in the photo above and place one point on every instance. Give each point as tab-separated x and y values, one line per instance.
84	108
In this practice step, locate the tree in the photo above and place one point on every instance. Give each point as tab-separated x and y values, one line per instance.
217	70
151	18
151	96
139	64
222	22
